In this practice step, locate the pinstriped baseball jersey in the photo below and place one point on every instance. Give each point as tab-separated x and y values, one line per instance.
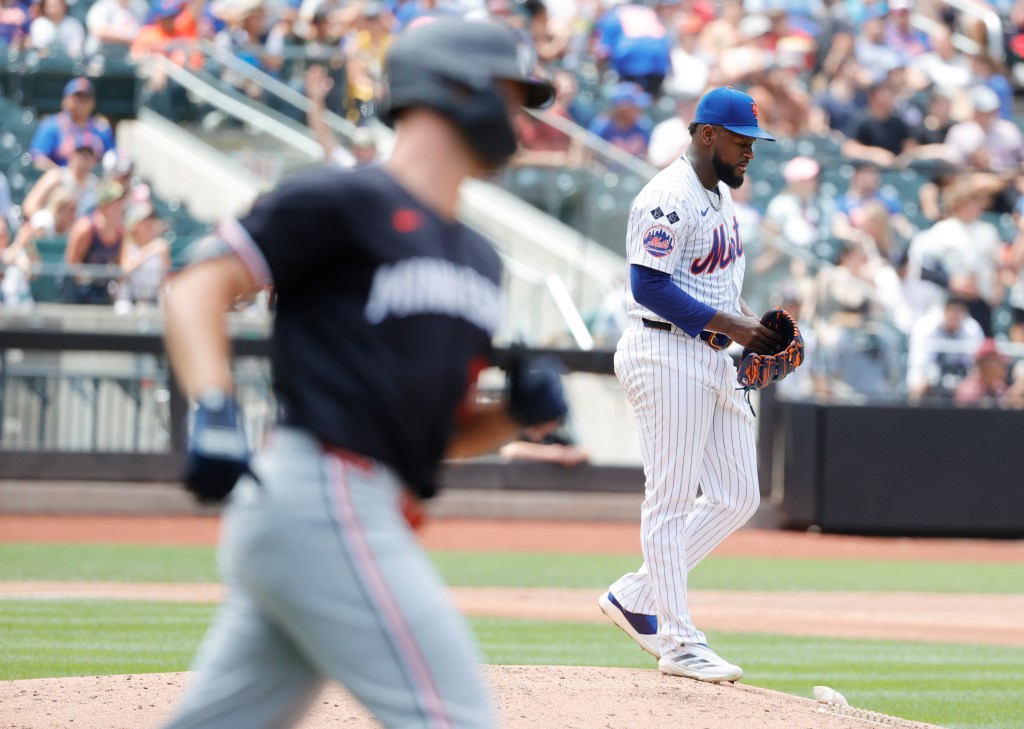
674	227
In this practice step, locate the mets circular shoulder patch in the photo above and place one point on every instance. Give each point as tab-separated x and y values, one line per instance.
659	240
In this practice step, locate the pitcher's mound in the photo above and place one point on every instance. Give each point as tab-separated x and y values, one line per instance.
533	697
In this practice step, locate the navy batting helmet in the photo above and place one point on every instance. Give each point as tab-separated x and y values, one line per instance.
454	67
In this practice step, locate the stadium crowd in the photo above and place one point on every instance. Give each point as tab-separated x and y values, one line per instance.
903	290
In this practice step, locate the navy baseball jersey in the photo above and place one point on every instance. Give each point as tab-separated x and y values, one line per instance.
379	328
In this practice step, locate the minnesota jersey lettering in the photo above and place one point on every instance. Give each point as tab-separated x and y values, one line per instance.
433	286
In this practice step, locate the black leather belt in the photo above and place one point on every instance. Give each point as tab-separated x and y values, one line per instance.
715	340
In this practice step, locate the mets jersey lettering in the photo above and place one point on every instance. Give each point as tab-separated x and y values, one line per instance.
678	227
724	249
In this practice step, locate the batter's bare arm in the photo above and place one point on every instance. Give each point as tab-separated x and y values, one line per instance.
485	427
196	322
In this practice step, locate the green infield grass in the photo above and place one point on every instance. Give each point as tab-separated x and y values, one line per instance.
956	686
119	563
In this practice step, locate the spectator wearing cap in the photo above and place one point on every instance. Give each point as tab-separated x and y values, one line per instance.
58	136
799	214
77	177
986	141
96	240
986	385
145	255
990	72
900	35
15	20
961	254
879	135
942	347
245	37
942	66
171	30
55	30
635	44
872	49
625	124
113	24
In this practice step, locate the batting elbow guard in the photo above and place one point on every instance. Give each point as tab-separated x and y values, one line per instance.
218	452
534	390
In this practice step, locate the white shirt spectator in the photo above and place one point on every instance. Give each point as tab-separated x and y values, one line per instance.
1003	144
926	364
669	141
953	73
689	73
121	18
69	35
958	248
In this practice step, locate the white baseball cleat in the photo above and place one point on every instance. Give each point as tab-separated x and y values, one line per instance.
696	660
641	628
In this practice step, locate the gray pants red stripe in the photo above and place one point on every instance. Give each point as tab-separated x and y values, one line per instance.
326	581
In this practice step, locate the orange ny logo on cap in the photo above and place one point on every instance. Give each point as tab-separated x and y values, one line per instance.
753	108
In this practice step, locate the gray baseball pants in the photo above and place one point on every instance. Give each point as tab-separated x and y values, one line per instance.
326	581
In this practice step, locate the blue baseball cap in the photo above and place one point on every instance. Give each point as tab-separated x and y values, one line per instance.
732	109
80	85
627	92
165	9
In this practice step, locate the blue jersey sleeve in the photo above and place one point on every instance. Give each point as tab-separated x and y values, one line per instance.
655	290
106	133
600	126
45	140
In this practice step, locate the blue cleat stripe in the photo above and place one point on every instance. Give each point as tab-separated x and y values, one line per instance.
643	624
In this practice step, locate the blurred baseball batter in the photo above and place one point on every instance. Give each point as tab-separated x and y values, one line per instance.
686	272
385	310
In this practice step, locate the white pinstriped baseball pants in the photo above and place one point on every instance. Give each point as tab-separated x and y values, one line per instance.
326	581
695	430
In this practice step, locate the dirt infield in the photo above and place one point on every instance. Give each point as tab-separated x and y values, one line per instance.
547	697
534	697
525	536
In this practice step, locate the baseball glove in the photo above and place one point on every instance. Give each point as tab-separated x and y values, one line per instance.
757	371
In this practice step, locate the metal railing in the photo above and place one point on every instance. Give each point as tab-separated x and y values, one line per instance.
985	13
236	105
277	88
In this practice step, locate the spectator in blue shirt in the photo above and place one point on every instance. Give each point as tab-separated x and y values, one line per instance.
625	124
14	23
988	72
633	40
75	126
